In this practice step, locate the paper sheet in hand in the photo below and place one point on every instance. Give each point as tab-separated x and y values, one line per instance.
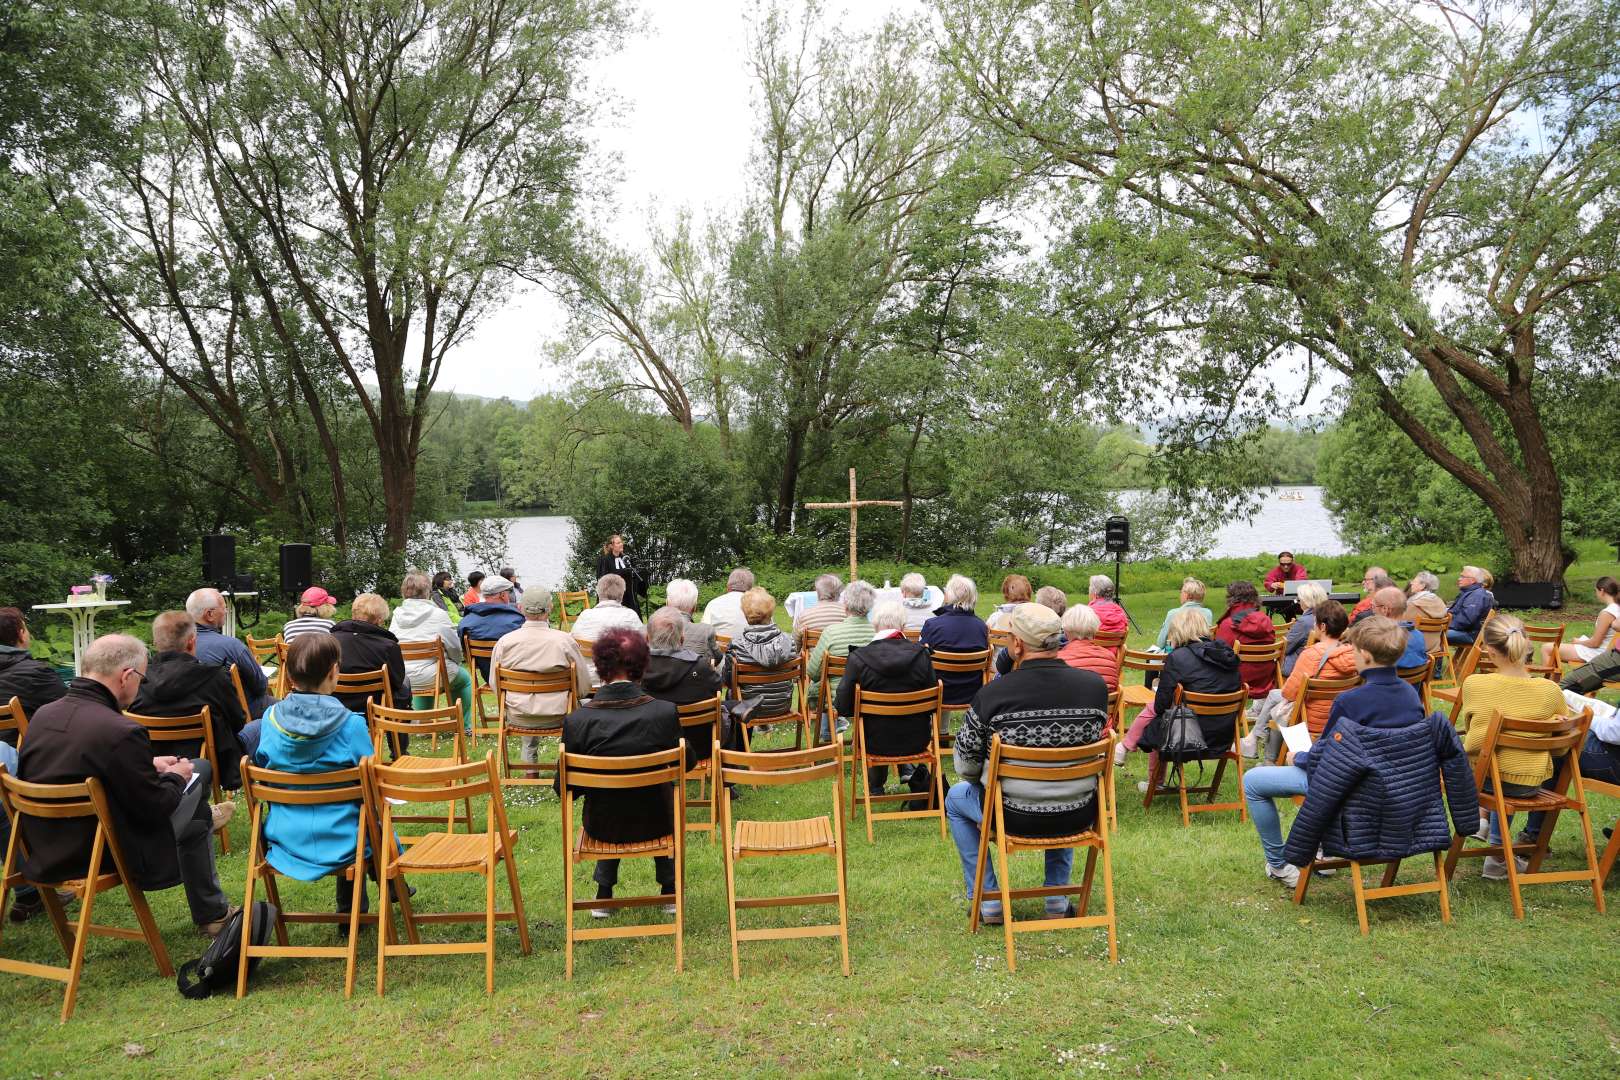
192	780
1297	737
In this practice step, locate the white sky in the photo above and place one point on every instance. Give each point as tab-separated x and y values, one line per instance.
681	138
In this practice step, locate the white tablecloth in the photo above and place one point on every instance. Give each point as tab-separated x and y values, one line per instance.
800	601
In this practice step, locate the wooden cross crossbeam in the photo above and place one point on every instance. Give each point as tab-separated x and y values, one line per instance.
853	505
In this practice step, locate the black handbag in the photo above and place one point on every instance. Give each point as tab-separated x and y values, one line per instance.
216	969
1179	736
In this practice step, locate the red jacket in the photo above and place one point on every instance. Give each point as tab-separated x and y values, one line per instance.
1110	616
1277	576
1089	655
1251	627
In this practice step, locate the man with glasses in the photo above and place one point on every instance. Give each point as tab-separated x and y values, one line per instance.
159	803
1374	579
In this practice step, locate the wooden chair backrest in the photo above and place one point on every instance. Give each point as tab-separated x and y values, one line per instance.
621	773
265	649
366	682
557	681
909	703
303	789
1425	625
1111	639
1257	653
12	718
1001	639
1216	705
423	650
1545	635
1046	764
477	649
912	633
62	802
811	638
1418	675
178	728
1326	689
705	713
782	767
452	783
965	663
722	642
565	606
587	647
746	674
1553	735
241	692
1143	661
384	721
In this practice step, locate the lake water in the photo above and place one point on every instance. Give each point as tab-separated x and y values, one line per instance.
1288	518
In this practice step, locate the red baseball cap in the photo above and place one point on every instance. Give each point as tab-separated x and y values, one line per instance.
315	596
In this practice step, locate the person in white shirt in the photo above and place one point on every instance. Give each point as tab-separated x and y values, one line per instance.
724	612
609	613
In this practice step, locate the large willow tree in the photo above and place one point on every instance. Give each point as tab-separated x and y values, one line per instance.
320	200
1374	188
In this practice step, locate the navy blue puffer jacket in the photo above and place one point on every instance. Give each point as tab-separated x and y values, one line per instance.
1375	790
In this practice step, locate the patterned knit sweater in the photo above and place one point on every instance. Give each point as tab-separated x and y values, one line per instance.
1044	703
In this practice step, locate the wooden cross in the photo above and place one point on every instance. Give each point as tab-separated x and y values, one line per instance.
852	506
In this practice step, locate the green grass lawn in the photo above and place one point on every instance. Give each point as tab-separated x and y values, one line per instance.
1220	974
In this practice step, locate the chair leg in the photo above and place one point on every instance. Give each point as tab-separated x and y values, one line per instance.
384	909
866	793
1108	901
1085	882
731	900
1391	868
1360	888
977	896
1591	851
1445	887
939	789
251	874
1005	883
489	920
517	901
82	936
1181	787
843	909
568	907
1508	856
59	923
149	929
1305	873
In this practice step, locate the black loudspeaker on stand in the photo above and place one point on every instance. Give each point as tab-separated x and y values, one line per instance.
219	560
297	568
1117	541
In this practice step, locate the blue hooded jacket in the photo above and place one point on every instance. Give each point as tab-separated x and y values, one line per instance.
311	733
488	621
1469	609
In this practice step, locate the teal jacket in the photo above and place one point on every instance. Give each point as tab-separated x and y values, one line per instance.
311	733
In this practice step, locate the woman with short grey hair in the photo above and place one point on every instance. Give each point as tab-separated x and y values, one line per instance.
682	594
889	616
859	598
838	639
914	599
957	628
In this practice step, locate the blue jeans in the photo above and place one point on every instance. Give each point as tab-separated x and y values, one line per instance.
1261	785
1461	637
26	894
1599	761
964	811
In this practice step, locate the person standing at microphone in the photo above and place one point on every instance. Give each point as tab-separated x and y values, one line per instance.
614	560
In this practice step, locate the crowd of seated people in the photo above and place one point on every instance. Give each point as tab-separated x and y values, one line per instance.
1049	685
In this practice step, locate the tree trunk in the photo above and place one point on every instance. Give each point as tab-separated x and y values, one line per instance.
787	491
905	483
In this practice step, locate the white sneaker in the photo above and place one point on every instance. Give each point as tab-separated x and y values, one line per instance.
1484	832
1250	746
1495	869
1164	789
669	909
1286	873
1119	755
601	913
1325	871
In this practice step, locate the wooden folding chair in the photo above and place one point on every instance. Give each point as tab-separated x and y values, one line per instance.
1137	695
388	725
1262	654
1113	639
745	675
700	723
1046	764
49	803
587	649
265	650
1115	697
473	650
429	650
241	692
1385	889
1461	670
832	671
1611	850
1540	637
912	633
476	853
1207	705
198	728
1000	639
1559	734
1438	627
722	642
1419	677
371	683
582	772
811	639
872	706
267	788
509	681
965	663
748	839
1312	691
12	718
566	612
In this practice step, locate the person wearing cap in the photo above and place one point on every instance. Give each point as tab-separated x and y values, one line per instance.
535	648
492	618
419	618
312	615
1042	702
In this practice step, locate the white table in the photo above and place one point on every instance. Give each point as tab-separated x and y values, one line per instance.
229	629
803	601
84	622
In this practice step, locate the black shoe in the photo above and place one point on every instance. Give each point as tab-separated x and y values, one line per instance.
22	910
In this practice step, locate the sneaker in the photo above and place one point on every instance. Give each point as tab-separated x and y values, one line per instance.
1249	745
1164	789
1064	912
1484	831
1327	871
1287	873
1495	869
1119	755
222	814
990	917
212	929
603	892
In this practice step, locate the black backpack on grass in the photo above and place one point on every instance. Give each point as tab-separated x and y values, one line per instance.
217	968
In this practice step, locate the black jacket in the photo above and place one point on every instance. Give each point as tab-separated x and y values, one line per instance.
1206	666
367	647
683	678
84	735
622	720
634	584
177	684
32	682
890	665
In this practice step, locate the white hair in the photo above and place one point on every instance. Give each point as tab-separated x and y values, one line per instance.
1080	622
610	587
740	580
1478	573
913	584
203	601
682	594
859	597
889	615
1310	595
1426	581
112	653
828	586
1101	586
666	630
961	592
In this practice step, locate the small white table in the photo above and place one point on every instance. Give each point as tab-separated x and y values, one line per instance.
84	622
229	629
